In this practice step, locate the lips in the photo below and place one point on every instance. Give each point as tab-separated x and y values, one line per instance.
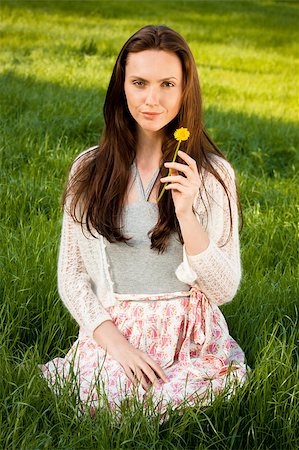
150	114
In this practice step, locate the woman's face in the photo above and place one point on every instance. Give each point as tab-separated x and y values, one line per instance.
153	88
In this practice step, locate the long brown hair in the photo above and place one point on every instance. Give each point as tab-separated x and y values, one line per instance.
98	185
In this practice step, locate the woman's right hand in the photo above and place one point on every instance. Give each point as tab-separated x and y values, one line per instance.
138	365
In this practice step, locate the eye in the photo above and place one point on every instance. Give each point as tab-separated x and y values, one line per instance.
168	84
138	83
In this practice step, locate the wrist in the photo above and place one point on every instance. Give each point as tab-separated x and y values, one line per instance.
186	216
108	336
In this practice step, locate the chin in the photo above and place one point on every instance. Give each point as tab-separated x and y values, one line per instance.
153	128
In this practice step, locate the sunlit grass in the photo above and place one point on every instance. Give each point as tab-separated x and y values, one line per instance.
55	63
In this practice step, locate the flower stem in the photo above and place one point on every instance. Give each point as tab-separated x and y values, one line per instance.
169	171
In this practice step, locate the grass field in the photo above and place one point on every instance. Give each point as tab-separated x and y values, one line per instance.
55	61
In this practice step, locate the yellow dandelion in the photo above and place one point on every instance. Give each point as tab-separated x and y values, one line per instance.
181	134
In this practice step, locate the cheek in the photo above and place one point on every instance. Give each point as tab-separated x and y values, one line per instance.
175	104
133	99
128	94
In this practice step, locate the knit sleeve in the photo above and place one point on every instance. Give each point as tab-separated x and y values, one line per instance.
218	268
75	286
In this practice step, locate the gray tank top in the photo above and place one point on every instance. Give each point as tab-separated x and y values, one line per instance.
135	268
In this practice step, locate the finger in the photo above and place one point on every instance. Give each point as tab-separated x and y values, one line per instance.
149	373
141	379
187	158
129	374
158	370
175	178
180	167
136	376
177	187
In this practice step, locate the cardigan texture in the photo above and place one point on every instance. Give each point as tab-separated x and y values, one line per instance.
84	281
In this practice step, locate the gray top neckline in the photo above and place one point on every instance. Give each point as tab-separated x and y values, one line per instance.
144	193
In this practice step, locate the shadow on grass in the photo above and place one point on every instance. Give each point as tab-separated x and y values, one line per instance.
37	110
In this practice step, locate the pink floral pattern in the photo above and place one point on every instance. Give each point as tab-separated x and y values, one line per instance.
188	336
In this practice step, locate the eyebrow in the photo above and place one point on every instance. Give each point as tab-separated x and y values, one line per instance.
143	79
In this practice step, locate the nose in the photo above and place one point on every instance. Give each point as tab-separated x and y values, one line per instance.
152	97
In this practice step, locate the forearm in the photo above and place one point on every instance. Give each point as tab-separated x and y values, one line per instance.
196	239
108	336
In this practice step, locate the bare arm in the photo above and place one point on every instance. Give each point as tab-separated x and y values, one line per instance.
190	227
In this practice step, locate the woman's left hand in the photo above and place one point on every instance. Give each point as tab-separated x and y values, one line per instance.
183	189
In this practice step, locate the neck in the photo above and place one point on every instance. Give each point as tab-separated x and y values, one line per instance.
149	149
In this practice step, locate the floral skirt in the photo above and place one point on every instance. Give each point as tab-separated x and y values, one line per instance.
187	336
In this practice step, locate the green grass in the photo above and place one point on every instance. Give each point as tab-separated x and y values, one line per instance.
55	61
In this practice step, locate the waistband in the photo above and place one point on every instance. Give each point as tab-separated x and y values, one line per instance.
151	297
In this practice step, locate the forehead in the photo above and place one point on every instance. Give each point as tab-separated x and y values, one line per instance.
155	63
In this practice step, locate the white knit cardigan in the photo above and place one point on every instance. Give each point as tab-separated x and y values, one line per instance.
84	281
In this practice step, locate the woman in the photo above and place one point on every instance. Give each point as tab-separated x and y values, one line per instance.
144	279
